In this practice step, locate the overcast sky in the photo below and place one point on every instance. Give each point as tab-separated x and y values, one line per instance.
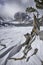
9	7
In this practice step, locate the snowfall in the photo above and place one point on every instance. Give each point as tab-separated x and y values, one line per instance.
15	35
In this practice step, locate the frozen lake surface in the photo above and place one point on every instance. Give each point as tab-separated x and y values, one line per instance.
15	35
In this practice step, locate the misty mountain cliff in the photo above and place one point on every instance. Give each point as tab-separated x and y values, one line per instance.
20	19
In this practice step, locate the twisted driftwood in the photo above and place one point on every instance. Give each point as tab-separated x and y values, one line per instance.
27	44
29	40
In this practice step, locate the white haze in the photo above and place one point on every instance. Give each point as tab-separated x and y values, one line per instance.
9	9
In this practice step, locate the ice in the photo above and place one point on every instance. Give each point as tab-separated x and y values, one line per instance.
15	35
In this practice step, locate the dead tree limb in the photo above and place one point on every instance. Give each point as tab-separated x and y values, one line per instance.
35	51
21	58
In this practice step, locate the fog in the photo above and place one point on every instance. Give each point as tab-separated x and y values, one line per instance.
10	7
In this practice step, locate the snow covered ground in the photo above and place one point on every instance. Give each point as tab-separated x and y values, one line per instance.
15	35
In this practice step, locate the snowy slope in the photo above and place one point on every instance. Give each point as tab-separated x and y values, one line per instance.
15	35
